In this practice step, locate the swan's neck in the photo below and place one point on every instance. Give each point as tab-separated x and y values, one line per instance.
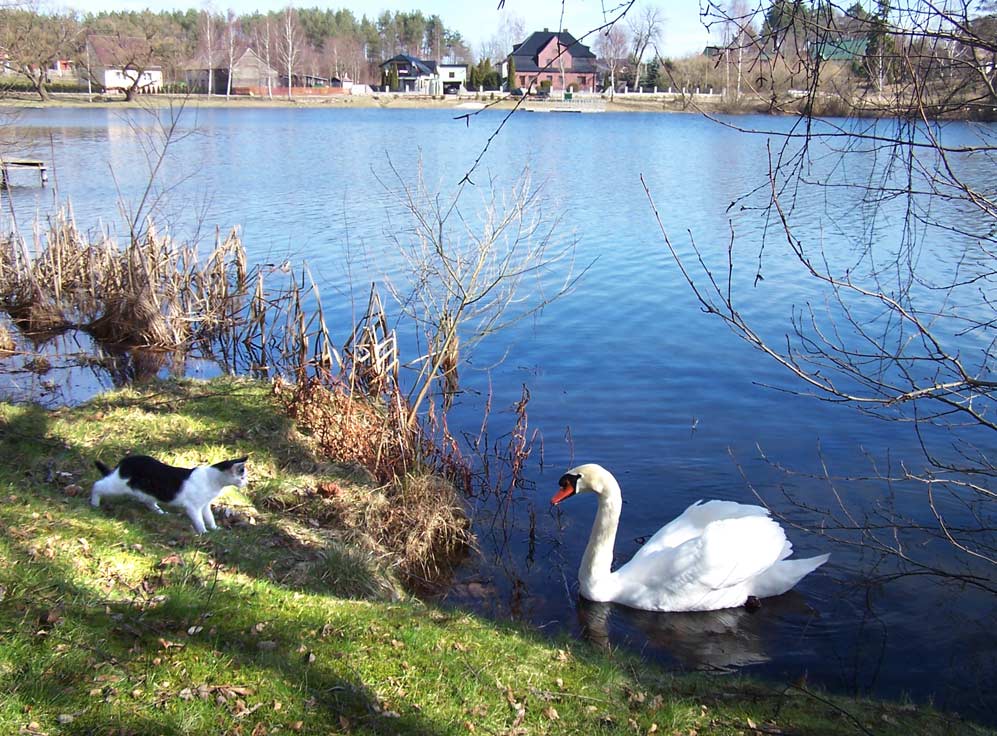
598	560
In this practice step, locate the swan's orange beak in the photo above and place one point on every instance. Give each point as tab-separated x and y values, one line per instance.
567	490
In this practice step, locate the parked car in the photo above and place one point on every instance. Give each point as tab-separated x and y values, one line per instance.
543	93
516	91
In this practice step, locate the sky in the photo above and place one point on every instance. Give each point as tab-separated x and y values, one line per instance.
476	20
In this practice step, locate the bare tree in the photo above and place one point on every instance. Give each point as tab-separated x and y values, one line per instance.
646	27
738	34
33	42
230	23
289	45
470	276
511	31
264	44
209	39
905	342
612	45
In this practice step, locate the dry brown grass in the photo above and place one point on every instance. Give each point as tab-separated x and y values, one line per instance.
410	512
7	344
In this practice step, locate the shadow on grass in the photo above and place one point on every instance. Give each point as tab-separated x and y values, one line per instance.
107	662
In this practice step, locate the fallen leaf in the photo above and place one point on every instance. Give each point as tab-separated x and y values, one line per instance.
751	724
64	718
551	713
277	705
297	725
194	630
171	561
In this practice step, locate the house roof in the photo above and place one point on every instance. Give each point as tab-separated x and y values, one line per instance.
526	55
422	67
219	59
839	49
115	51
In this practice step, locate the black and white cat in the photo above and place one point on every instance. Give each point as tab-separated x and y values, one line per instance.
151	482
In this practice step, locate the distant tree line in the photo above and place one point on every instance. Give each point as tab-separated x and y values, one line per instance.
313	41
765	49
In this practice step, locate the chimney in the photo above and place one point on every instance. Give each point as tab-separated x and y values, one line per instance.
546	30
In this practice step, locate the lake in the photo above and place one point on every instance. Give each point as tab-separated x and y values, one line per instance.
626	370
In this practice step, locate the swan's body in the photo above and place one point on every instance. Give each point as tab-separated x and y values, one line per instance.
715	555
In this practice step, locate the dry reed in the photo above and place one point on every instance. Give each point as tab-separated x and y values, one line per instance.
7	344
152	293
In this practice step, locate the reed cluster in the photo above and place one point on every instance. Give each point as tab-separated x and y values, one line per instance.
151	293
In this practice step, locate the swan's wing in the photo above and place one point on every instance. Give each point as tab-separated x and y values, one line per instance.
731	551
701	572
693	521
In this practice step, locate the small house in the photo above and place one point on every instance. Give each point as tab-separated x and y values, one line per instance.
122	63
249	72
557	61
414	75
453	78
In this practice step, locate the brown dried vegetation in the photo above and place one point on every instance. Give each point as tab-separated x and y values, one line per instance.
153	293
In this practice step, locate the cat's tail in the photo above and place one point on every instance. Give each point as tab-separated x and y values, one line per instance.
104	470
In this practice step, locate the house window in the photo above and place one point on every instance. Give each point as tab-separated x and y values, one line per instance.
550	77
452	74
522	80
581	81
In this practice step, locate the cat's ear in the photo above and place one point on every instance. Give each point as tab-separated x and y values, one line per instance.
228	464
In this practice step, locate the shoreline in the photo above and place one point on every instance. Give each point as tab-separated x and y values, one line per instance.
662	102
823	106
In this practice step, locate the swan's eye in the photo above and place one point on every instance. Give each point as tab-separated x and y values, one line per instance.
567	488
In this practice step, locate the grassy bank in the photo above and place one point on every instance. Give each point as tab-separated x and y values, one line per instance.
119	621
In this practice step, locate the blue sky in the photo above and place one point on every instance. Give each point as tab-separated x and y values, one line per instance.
476	20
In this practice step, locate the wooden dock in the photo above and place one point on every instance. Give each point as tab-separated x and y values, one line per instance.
574	104
7	164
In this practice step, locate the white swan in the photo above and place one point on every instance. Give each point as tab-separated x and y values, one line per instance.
715	555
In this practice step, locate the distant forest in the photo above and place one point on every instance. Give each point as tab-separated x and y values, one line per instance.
324	42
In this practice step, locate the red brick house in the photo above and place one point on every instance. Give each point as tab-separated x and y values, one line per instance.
555	60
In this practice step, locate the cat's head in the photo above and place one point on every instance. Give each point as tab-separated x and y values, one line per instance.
234	469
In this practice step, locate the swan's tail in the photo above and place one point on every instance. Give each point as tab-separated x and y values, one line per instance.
783	575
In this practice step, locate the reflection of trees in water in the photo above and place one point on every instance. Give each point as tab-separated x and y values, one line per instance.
127	366
67	367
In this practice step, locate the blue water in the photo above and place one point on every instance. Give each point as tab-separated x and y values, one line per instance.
626	370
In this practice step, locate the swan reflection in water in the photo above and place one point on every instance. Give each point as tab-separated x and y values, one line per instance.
715	641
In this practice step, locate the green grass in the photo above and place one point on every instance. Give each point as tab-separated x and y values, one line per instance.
119	621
